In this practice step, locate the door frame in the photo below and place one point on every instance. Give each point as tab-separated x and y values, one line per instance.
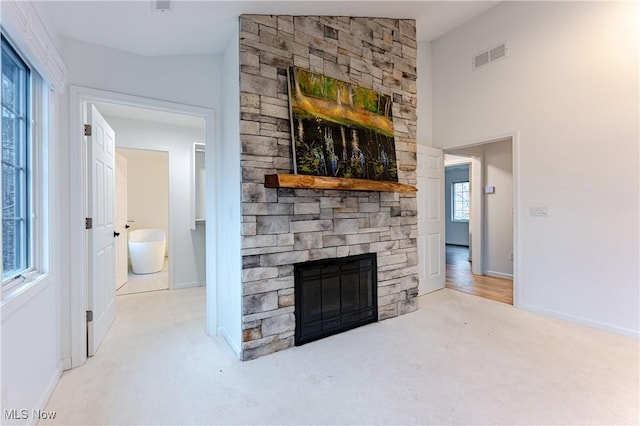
123	230
80	97
515	162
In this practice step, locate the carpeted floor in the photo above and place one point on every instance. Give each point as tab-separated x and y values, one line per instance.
460	359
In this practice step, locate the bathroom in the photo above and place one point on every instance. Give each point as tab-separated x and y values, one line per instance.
158	202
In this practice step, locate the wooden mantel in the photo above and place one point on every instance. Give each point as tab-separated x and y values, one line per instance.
324	182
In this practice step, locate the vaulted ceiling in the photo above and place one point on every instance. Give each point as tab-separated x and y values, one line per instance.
205	27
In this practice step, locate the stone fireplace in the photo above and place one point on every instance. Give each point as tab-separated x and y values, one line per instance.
283	227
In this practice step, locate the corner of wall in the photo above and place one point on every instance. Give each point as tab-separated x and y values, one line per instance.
425	95
228	259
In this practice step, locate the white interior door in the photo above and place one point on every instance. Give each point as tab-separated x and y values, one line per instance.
431	223
102	239
121	227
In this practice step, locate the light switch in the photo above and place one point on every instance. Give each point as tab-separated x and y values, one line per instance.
539	211
489	189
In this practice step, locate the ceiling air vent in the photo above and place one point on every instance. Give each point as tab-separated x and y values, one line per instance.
490	55
161	5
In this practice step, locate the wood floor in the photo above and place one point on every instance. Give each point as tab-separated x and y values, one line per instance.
459	277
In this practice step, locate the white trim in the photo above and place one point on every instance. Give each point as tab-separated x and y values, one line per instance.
51	386
458	163
499	275
515	162
24	294
232	343
581	321
79	98
23	26
181	286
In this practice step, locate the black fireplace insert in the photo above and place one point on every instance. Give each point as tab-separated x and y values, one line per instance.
335	295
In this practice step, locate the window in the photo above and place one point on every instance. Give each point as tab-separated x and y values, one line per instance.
25	100
16	185
460	202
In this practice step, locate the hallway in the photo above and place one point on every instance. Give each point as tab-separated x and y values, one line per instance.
459	277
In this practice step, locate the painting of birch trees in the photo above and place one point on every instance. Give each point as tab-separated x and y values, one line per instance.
339	129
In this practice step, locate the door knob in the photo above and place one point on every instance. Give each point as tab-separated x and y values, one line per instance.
116	234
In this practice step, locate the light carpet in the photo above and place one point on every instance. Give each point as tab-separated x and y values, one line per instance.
459	359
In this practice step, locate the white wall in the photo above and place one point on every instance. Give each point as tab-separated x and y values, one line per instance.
30	343
36	324
498	218
31	338
228	199
147	189
424	87
188	79
568	93
455	232
31	362
186	246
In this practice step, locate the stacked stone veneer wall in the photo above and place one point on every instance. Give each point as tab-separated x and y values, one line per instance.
282	227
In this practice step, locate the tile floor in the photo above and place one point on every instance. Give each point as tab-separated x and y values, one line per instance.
146	282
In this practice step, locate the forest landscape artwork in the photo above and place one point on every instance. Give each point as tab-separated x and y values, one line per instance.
339	129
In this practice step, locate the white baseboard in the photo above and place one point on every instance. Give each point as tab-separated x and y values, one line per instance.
581	321
236	350
66	364
499	275
48	391
180	286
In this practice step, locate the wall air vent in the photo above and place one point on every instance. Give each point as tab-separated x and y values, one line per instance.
490	55
481	59
497	52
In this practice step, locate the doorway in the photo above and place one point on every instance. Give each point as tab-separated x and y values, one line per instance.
482	263
81	101
142	203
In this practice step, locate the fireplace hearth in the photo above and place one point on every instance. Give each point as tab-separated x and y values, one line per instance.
334	295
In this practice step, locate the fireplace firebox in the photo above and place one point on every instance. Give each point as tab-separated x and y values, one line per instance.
334	295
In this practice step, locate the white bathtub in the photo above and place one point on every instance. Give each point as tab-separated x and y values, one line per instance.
146	249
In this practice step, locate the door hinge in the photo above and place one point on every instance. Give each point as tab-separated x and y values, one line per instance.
87	129
89	316
88	223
